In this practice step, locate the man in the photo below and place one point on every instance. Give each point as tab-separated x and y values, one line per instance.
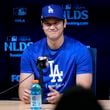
69	61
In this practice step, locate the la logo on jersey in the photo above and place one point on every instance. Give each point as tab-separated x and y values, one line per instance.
50	9
55	73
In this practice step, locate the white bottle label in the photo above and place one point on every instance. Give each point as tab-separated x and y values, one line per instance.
36	101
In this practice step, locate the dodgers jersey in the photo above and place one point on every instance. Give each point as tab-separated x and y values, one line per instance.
64	63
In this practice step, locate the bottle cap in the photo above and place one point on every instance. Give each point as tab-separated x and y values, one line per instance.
35	81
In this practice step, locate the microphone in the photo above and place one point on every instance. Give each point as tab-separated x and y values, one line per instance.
42	63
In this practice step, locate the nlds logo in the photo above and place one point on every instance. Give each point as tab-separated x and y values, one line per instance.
76	15
15	45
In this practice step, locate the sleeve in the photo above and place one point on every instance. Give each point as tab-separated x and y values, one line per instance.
84	61
25	64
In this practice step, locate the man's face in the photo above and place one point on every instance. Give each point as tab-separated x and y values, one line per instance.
53	28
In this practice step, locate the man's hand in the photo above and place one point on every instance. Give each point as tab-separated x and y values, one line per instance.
53	96
26	96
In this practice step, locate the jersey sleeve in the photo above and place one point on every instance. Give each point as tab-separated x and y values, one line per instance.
25	64
84	61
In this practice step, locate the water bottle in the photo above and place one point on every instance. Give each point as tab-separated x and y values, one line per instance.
36	95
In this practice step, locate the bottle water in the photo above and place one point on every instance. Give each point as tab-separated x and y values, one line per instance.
36	95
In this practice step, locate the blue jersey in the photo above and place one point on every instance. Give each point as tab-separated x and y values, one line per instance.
65	63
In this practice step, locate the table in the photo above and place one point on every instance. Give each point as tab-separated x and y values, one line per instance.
105	104
18	105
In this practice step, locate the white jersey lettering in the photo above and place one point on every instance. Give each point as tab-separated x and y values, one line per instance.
55	73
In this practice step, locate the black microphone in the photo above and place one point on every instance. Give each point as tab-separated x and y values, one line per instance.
42	63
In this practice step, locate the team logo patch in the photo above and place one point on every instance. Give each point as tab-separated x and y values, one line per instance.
50	9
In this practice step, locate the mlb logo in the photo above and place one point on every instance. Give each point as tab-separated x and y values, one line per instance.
14	38
20	11
68	6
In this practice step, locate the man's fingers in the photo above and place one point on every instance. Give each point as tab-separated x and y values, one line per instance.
27	91
52	92
26	96
52	89
51	99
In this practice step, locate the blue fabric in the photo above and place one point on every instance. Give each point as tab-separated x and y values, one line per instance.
64	63
52	11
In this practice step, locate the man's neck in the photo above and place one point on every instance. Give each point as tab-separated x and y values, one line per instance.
55	44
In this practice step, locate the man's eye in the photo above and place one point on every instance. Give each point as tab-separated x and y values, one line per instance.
57	22
48	24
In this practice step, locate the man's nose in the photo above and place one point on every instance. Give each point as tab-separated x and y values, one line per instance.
52	26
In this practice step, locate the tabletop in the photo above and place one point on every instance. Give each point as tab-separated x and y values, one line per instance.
105	104
18	105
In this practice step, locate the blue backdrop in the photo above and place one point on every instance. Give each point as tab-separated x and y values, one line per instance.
88	21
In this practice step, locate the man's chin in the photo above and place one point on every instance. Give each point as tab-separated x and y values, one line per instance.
53	38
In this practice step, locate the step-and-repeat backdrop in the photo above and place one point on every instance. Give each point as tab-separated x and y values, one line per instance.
20	27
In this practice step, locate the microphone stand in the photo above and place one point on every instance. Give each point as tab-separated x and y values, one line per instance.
41	80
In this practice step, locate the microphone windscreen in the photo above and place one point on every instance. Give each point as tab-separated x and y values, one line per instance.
42	62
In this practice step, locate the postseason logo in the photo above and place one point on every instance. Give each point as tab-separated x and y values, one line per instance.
76	15
15	45
19	14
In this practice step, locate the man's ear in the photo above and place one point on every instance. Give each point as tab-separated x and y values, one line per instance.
65	22
41	22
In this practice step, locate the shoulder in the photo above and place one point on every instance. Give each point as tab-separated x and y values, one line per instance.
36	45
75	44
33	49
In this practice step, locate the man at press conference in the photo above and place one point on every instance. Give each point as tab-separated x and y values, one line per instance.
69	61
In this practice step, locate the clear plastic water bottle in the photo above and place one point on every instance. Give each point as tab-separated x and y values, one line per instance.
36	95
